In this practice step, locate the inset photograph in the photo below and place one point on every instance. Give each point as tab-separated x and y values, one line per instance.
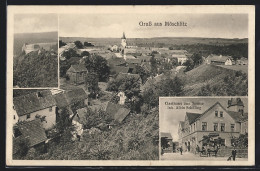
35	50
214	129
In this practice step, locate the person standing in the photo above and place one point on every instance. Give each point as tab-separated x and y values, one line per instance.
181	150
234	153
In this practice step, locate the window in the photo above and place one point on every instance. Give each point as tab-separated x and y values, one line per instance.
222	127
215	126
232	127
221	114
216	113
14	117
28	116
194	127
204	126
50	109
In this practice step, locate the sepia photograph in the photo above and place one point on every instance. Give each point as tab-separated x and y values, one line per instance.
35	50
204	129
94	86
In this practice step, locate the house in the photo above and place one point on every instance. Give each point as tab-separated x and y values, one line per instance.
68	98
27	48
77	74
114	70
35	105
118	112
168	137
114	48
135	61
182	58
242	61
32	131
218	123
219	60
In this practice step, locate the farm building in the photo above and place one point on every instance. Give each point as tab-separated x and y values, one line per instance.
219	60
242	61
77	74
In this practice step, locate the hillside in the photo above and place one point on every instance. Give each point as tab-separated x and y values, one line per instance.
45	37
136	139
36	70
214	76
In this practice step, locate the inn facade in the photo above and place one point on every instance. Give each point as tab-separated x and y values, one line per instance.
217	122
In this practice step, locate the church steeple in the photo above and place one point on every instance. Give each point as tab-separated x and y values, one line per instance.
123	37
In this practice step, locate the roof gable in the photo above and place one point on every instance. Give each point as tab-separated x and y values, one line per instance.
77	68
167	135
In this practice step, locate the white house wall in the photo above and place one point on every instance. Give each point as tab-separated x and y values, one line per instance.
50	117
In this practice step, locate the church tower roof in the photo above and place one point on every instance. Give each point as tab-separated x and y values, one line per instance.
123	37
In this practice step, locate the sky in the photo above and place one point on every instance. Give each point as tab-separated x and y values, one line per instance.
169	119
112	25
35	23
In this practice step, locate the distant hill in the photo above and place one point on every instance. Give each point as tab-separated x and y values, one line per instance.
36	70
157	41
21	38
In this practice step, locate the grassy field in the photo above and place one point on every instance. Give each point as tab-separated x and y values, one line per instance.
202	75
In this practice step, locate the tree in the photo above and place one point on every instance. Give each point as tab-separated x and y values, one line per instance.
130	85
61	43
63	120
98	65
144	74
190	65
153	65
91	84
85	53
166	87
78	44
87	44
197	59
70	53
23	147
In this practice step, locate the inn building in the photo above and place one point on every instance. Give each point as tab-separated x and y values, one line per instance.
217	122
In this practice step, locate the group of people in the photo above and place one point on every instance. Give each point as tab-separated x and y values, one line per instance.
207	149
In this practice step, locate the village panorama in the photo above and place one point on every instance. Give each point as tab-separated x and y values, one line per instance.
106	107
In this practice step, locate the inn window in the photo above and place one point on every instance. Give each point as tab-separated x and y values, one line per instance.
232	127
28	116
222	128
204	126
14	117
221	114
216	113
215	126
